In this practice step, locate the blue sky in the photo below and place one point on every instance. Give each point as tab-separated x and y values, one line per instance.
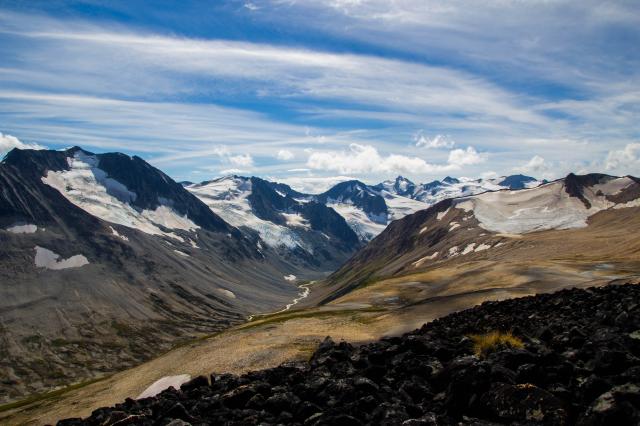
310	92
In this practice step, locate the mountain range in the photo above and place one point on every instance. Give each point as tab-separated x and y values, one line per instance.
107	261
258	204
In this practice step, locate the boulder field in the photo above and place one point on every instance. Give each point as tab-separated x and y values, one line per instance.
578	363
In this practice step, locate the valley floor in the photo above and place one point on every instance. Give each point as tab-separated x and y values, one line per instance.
386	307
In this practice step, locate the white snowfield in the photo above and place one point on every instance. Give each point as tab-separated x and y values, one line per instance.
89	187
47	259
542	208
400	207
359	221
290	277
227	197
368	226
163	384
22	229
465	187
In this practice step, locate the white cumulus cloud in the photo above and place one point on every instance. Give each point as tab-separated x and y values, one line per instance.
243	160
437	142
285	155
228	172
312	184
360	159
626	160
466	157
8	142
537	167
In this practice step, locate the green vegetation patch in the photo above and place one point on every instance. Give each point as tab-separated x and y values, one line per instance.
47	395
285	316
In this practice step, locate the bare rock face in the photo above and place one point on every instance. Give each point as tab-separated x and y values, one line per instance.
579	365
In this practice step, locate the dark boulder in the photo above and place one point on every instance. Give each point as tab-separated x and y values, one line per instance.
524	403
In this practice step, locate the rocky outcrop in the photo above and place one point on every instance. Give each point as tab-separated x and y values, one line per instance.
579	365
517	181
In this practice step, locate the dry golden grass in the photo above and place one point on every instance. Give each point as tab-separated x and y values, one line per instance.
485	344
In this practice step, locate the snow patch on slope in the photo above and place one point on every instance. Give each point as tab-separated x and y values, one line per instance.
163	384
117	234
440	215
181	253
22	229
296	220
469	248
422	260
47	259
628	204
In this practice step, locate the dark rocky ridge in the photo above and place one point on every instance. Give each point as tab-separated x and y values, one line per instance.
579	365
575	184
22	168
358	194
516	181
401	186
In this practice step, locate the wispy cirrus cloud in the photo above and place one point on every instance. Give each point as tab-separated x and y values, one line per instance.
485	76
151	65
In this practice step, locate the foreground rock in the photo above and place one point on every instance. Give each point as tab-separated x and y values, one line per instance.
580	364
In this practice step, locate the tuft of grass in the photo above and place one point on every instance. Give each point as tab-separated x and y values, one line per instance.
485	344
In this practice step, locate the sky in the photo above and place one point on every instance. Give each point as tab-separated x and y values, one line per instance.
311	92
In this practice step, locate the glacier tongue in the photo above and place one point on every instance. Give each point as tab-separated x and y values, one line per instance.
228	198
